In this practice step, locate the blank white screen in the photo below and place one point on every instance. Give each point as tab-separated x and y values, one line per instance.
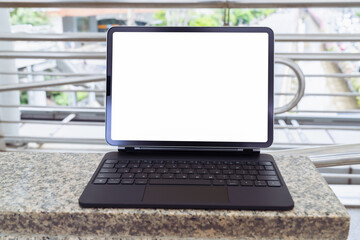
210	87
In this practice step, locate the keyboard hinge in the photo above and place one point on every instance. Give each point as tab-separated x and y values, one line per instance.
126	149
249	150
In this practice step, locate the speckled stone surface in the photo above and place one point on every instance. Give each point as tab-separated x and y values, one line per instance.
39	195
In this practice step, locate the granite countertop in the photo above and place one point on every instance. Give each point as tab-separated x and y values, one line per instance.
39	195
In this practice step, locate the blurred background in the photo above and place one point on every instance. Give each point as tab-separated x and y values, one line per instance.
52	74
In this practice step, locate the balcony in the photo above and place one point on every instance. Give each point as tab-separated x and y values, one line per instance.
52	75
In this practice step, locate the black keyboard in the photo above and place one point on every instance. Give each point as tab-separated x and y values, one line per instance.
188	172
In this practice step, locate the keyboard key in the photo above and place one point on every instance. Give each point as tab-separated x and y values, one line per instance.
133	165
221	177
113	181
100	181
274	184
111	161
267	173
269	167
235	177
184	166
170	166
175	170
196	166
269	178
123	170
168	176
108	175
136	170
227	172
123	161
265	163
122	165
242	172
208	176
260	183
246	183
249	177
179	182
141	175
158	165
141	181
127	181
201	171
106	165
162	170
128	175
235	167
154	175
145	165
253	172
223	167
259	167
108	170
181	176
232	183
218	182
215	171
149	170
189	171
195	176
246	167
210	167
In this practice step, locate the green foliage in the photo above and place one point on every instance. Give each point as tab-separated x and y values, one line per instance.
206	20
28	16
60	98
358	14
24	98
81	95
160	15
245	16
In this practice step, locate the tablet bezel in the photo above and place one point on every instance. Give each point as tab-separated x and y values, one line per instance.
127	143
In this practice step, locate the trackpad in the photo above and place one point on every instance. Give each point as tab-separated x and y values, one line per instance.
185	194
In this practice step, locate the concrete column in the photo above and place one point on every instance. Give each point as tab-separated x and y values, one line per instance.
8	98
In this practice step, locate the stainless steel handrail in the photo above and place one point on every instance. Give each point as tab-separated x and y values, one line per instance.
101	124
101	37
68	37
63	74
113	4
67	74
49	83
341	175
340	94
306	127
337	161
321	56
52	55
301	85
333	75
177	4
102	109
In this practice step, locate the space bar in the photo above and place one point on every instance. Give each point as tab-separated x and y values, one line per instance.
179	182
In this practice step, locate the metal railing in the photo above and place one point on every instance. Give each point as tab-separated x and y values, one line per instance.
177	4
287	59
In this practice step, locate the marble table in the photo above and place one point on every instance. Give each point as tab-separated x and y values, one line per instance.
39	195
